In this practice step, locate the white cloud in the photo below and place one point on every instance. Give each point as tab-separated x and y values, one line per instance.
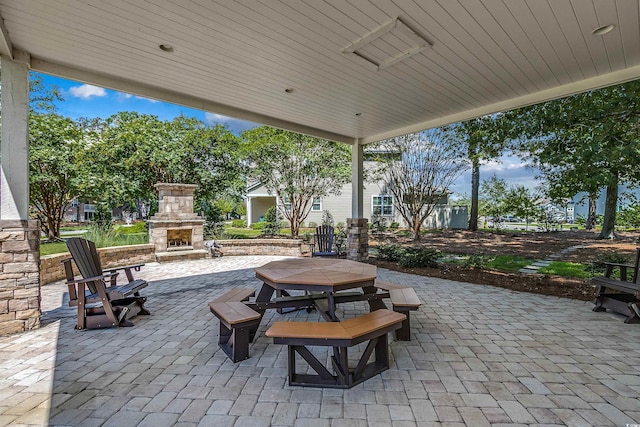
213	118
87	91
125	96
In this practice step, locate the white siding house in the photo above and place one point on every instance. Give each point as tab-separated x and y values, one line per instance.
375	200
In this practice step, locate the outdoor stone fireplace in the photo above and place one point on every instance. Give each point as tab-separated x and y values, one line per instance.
176	231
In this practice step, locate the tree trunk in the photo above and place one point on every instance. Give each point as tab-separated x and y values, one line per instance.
415	229
475	187
610	204
591	215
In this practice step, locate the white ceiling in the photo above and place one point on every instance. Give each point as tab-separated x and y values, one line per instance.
237	57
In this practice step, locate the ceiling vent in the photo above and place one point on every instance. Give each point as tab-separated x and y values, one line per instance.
393	42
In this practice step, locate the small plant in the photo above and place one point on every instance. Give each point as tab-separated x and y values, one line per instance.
313	224
327	218
394	225
478	261
419	257
378	224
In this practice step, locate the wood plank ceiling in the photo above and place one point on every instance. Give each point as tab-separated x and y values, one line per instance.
238	57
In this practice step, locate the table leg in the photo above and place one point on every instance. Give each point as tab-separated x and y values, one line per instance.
264	295
375	302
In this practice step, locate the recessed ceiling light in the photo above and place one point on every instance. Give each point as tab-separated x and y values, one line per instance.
358	114
601	31
166	47
289	90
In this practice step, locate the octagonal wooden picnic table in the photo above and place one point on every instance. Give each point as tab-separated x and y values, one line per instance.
322	278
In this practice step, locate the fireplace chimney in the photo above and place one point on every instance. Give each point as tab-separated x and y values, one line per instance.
176	231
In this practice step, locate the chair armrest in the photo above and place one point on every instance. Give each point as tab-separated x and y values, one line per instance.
135	267
93	279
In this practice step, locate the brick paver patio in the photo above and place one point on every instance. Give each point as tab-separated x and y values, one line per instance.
479	355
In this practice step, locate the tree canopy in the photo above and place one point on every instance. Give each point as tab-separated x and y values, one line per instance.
423	168
296	167
585	142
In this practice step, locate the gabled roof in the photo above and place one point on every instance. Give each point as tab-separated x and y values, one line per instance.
350	71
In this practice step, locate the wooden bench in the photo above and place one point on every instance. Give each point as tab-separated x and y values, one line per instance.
403	299
619	295
236	294
372	327
236	324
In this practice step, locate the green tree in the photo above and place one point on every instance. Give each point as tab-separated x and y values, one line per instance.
522	202
483	139
136	151
56	176
297	168
494	193
421	172
585	142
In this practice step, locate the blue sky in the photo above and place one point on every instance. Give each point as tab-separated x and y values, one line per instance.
82	100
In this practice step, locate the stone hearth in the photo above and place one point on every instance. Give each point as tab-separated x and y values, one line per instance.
176	231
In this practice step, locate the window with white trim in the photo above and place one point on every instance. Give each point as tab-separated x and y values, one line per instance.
317	204
382	205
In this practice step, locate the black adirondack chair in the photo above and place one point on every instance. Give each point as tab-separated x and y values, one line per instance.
101	302
323	242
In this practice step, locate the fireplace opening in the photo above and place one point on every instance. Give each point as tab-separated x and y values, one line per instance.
179	239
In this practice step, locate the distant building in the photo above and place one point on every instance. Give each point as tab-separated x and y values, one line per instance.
375	201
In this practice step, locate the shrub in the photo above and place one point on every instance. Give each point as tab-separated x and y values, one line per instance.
257	225
327	218
419	257
378	224
313	224
271	222
238	223
394	225
390	252
597	267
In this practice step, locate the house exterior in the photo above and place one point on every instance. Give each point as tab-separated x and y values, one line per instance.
376	200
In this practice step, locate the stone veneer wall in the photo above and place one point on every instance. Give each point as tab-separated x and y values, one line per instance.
358	239
283	247
19	282
51	269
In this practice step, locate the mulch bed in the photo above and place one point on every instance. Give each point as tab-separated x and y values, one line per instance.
528	245
567	287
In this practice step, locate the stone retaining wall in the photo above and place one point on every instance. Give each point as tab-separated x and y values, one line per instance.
283	247
51	269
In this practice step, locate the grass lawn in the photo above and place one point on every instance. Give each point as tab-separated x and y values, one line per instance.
508	263
567	269
50	248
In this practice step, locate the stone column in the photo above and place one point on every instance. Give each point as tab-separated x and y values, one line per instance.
20	278
358	239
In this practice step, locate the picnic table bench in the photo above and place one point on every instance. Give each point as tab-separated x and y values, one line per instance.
619	295
372	327
403	299
237	322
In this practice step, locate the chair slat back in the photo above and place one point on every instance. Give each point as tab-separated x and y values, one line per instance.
324	238
86	257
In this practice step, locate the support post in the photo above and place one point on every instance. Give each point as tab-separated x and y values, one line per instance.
14	203
248	213
19	236
357	226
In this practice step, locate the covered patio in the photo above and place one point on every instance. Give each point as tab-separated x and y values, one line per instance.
478	356
354	72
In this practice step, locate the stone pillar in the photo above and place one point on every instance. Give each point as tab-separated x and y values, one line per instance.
20	278
358	239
